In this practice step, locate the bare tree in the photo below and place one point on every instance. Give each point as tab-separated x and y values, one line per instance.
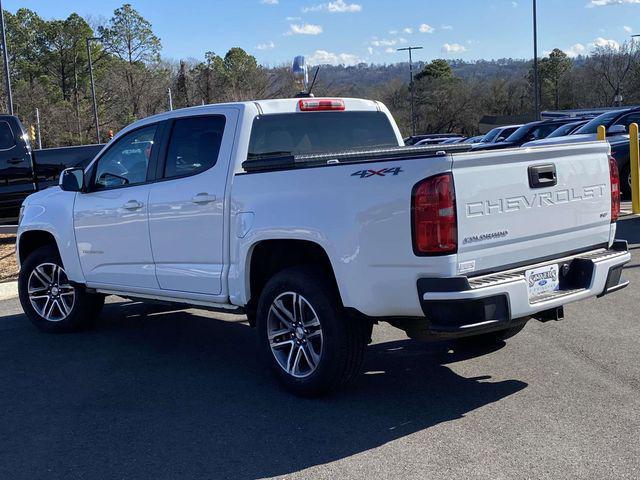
612	63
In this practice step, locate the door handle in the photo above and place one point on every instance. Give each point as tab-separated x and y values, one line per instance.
203	198
132	205
15	161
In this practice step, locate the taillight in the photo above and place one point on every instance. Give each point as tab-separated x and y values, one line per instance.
319	104
615	189
433	211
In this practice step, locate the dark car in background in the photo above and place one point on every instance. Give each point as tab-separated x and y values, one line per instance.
567	129
24	171
620	150
527	133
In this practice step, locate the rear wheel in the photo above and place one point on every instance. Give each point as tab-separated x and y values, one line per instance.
312	346
49	299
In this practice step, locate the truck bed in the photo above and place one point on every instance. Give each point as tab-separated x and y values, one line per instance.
362	215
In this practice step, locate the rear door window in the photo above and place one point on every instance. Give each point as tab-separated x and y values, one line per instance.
194	145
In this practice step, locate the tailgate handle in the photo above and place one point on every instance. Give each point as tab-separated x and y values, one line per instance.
541	176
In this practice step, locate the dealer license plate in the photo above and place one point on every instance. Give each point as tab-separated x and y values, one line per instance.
542	280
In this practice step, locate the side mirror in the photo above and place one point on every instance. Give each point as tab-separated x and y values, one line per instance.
72	180
500	139
617	130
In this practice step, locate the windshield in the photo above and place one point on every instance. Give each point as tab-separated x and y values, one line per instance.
319	132
605	119
529	133
564	130
489	137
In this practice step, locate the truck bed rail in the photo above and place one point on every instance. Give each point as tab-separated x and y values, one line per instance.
267	163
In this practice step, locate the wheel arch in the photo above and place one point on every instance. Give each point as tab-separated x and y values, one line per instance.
267	257
31	240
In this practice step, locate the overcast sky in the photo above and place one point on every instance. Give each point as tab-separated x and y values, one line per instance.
345	31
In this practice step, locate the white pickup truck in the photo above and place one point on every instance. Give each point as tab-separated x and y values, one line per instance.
311	216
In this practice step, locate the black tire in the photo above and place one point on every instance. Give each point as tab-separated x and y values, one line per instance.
76	315
625	181
492	338
343	339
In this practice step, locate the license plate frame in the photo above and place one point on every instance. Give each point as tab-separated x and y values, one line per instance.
542	280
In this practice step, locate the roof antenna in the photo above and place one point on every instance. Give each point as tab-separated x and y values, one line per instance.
313	82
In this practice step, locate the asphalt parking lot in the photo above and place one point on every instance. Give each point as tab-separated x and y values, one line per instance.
156	393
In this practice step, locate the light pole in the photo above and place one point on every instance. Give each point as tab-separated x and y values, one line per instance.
413	107
536	81
5	52
93	87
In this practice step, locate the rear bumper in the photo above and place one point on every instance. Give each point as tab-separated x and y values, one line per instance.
464	306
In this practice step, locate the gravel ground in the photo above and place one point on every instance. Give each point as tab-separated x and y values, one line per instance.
8	265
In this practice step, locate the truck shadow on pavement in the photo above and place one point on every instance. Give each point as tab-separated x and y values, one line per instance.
155	393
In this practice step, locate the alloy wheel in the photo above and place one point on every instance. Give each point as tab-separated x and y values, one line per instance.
50	294
295	334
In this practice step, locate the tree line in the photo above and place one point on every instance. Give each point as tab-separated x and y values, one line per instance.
50	71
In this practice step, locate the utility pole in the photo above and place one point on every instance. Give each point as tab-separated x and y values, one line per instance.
5	52
38	128
536	80
93	88
413	106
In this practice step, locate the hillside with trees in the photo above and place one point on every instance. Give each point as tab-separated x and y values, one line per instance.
49	71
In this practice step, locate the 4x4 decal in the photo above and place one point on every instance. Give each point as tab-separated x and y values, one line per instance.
378	173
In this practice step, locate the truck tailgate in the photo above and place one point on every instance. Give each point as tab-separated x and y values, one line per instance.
506	218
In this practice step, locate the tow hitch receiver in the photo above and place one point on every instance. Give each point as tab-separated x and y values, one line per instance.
555	314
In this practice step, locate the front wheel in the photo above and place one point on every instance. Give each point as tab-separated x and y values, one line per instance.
311	344
49	299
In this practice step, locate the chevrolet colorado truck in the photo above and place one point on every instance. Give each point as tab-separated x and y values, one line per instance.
312	217
24	170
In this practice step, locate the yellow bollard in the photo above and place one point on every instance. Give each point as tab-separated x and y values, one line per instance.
634	165
602	133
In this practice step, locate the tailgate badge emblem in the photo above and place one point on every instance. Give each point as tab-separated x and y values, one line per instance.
465	267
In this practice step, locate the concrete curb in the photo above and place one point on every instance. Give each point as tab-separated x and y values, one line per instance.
8	290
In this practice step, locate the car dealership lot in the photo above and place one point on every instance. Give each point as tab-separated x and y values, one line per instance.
155	392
